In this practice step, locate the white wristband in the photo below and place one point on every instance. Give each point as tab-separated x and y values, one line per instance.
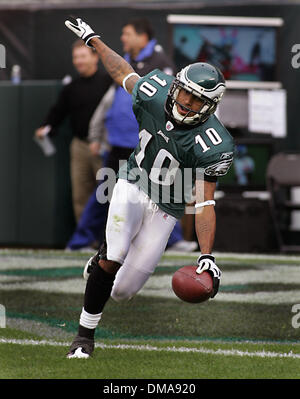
205	203
127	77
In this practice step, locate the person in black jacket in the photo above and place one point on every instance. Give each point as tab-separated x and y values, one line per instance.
78	100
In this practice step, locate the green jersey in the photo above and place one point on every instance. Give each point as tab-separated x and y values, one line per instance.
170	157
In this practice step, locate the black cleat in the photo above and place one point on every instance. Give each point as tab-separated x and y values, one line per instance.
81	348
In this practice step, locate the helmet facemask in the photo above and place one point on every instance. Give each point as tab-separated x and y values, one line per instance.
193	117
202	80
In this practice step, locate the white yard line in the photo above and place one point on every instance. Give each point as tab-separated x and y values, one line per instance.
262	297
14	259
160	285
36	263
70	285
150	348
237	256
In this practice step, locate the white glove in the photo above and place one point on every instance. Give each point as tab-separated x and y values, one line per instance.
81	29
207	262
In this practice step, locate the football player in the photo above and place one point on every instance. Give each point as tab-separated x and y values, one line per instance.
182	147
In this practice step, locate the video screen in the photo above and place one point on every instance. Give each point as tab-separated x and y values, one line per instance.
246	53
248	171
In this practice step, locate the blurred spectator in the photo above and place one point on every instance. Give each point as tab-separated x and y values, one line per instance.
144	54
244	165
78	100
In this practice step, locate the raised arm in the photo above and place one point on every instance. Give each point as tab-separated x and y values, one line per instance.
119	69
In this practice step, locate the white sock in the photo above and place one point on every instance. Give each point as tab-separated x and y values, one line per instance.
89	320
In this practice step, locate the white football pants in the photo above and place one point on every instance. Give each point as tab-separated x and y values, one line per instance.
137	233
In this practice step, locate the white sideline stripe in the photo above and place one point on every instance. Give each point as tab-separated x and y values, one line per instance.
224	352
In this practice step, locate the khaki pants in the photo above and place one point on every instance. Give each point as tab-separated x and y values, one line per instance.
84	167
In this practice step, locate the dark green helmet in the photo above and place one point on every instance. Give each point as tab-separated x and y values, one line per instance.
202	80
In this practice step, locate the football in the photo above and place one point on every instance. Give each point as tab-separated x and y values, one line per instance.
190	286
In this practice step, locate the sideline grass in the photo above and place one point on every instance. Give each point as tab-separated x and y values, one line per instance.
160	317
138	360
135	362
219	339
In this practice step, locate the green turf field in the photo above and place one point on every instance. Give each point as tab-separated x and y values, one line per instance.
250	330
